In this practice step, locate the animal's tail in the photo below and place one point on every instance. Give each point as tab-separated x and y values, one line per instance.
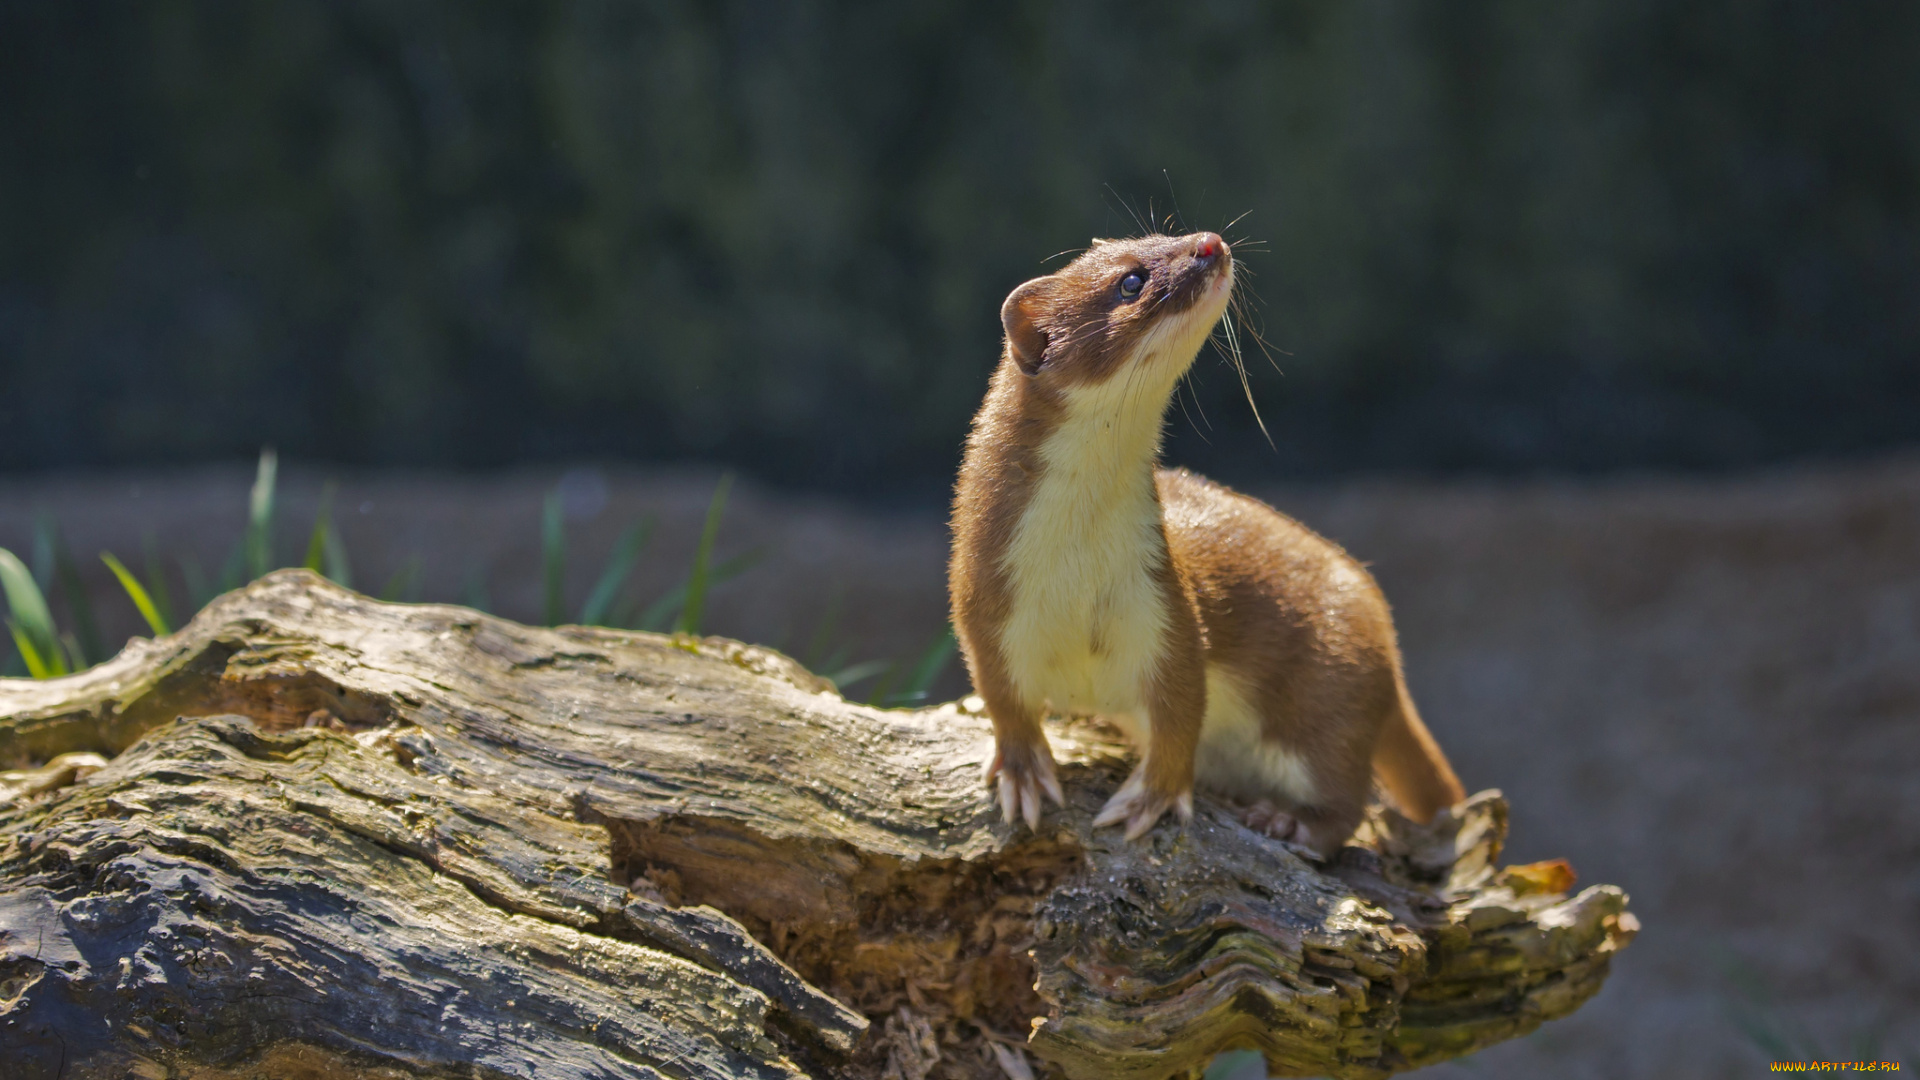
1411	766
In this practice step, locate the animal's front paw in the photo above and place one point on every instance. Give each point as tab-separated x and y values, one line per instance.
1140	805
1025	775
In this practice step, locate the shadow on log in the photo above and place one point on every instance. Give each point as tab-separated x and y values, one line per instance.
314	835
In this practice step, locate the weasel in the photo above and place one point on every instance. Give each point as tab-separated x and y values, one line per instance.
1236	648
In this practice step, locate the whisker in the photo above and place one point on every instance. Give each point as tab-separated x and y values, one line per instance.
1182	399
1195	394
1242	303
1131	212
1246	385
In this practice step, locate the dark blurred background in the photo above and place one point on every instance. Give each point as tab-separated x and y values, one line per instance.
1497	236
1597	323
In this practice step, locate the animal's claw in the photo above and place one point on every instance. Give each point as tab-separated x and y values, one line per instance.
1264	817
1140	806
1025	778
1294	828
1051	784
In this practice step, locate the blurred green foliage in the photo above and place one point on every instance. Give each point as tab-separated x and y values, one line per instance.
42	651
1497	234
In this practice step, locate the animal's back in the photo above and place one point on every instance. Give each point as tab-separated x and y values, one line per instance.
1296	634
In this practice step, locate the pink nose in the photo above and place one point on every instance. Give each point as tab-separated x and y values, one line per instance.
1207	245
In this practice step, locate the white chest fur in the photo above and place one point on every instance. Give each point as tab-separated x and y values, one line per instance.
1087	614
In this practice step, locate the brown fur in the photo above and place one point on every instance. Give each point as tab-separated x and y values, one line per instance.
1297	625
1305	626
1003	460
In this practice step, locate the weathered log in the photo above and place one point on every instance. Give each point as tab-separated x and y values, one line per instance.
327	836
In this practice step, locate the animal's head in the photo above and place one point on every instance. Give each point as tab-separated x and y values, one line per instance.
1150	300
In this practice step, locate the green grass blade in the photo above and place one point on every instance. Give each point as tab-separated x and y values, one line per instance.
837	660
884	685
36	667
75	659
316	560
199	590
626	551
859	673
822	638
926	670
86	632
259	539
624	613
326	551
138	594
661	614
697	580
553	560
85	647
404	585
316	547
339	569
733	567
233	572
157	581
32	622
474	592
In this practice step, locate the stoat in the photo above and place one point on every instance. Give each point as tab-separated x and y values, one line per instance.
1236	648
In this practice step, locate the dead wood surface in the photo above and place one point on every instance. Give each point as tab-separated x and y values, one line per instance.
328	836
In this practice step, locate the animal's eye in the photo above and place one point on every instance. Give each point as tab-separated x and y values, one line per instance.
1131	285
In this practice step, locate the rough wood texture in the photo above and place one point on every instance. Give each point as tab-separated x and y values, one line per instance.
333	837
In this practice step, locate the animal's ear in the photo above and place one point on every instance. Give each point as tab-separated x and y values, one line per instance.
1026	341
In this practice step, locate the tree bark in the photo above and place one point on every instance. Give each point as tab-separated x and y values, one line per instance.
331	837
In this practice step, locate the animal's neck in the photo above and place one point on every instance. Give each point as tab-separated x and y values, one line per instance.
1108	439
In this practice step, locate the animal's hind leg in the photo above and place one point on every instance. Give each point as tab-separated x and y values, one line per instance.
1321	830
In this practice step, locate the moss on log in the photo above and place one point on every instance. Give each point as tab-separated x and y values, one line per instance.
312	834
